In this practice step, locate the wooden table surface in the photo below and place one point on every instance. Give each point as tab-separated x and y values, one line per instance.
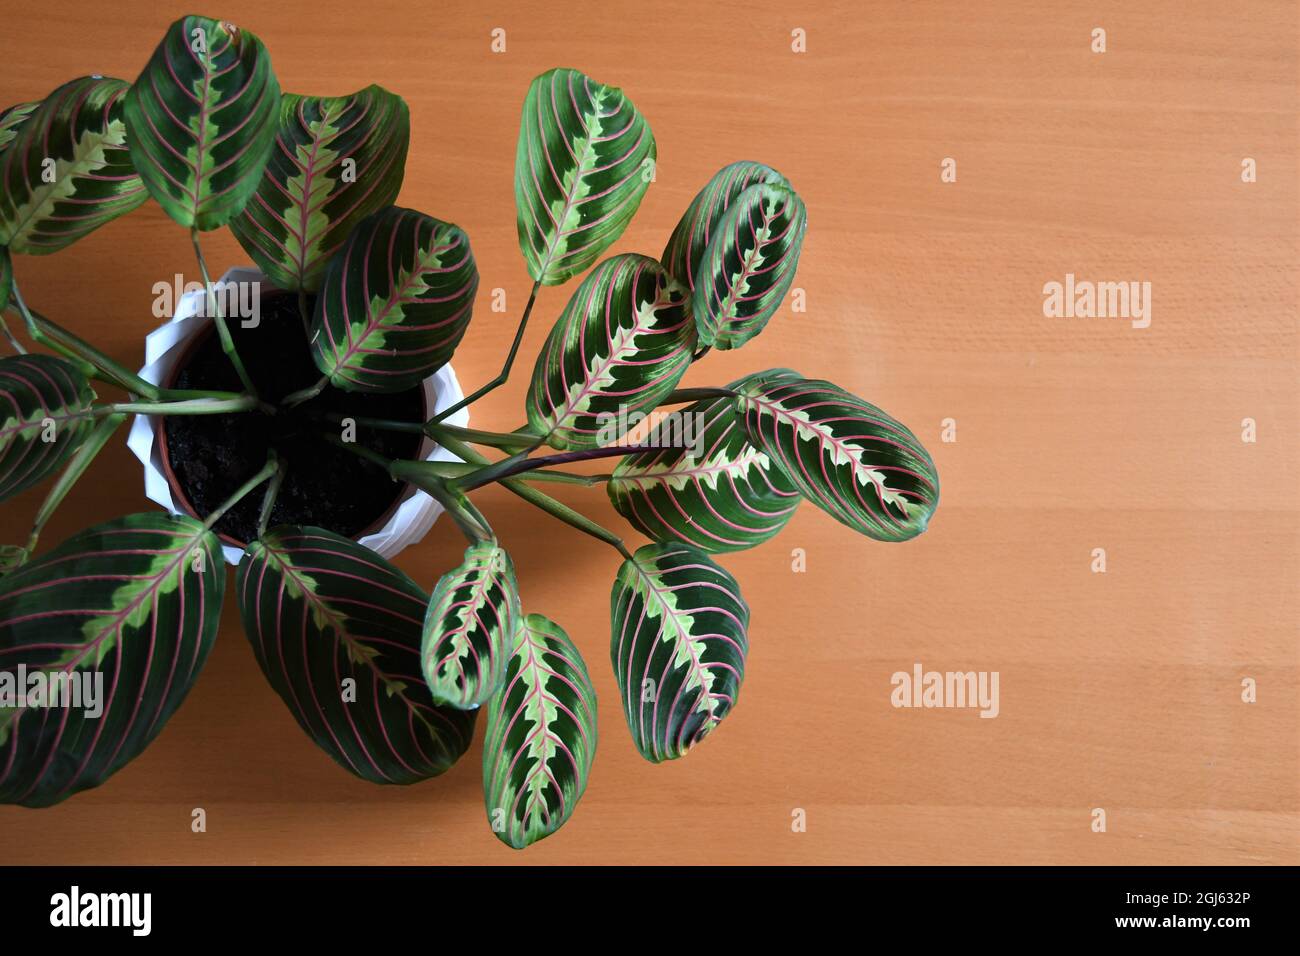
1119	690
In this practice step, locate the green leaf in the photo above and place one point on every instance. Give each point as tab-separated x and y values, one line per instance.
678	646
44	415
11	121
336	630
469	627
66	170
618	350
394	303
748	265
685	249
202	120
719	494
125	612
541	735
848	457
337	159
584	160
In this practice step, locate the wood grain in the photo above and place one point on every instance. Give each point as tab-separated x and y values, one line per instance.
1119	690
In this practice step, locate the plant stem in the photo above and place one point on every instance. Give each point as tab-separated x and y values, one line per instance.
223	330
305	394
183	394
545	502
505	369
382	424
566	514
519	464
452	470
701	353
371	456
269	469
38	334
507	441
268	500
467	517
17	346
76	466
196	406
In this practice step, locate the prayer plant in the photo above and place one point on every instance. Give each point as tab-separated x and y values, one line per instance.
384	677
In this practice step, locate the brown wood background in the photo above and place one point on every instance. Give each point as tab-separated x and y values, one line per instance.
1119	690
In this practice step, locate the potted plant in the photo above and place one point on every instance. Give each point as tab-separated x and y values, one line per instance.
369	300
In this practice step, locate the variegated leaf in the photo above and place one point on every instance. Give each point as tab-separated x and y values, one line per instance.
395	302
66	171
469	627
44	416
336	160
619	348
336	630
720	493
686	246
848	457
202	119
11	121
541	735
748	265
678	646
122	616
584	160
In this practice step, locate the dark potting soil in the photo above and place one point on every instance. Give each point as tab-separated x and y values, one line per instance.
325	485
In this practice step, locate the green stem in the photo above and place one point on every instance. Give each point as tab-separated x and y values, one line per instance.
521	463
183	394
548	504
305	394
383	424
268	500
196	406
17	346
269	469
566	514
76	466
505	369
467	517
371	456
452	470
38	334
507	441
701	353
223	330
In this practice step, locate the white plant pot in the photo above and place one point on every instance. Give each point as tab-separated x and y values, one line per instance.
166	345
